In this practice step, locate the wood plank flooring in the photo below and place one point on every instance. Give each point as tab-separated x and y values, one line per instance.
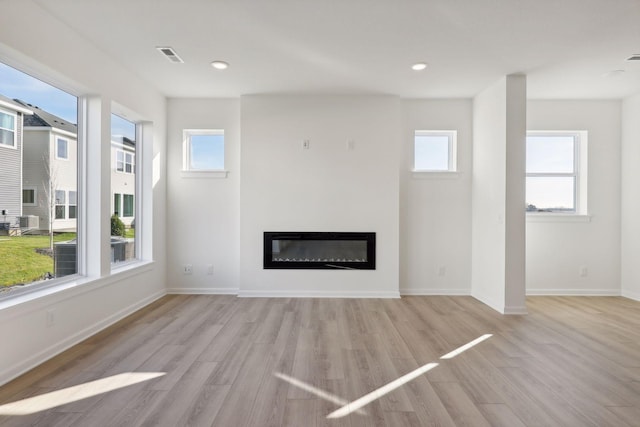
226	361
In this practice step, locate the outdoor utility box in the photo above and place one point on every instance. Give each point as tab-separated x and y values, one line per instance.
29	221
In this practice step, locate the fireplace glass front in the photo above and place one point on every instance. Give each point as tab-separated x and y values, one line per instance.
319	250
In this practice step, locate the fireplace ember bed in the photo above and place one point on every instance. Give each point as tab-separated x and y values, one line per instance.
320	250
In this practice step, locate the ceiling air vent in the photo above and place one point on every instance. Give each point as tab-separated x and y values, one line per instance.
634	58
170	54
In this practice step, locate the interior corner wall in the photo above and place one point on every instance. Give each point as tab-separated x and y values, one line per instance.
499	116
203	212
327	187
630	212
558	249
435	209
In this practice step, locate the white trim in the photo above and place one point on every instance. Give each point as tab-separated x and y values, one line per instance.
204	174
452	160
53	130
422	174
430	291
14	130
42	294
202	291
556	217
25	365
577	292
631	295
515	310
316	294
186	151
16	107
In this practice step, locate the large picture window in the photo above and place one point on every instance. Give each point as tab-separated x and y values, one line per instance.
553	178
38	181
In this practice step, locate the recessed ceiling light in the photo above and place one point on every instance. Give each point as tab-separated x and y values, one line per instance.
419	66
219	65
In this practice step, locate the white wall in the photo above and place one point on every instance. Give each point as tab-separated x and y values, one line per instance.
324	188
497	264
203	212
630	213
65	59
435	208
558	249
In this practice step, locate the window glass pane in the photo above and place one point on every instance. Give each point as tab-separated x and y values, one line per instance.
72	197
128	205
431	152
206	152
7	121
72	212
551	194
62	149
28	196
6	137
550	154
123	187
38	216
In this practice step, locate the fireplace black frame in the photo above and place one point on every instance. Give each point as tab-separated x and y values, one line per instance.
270	263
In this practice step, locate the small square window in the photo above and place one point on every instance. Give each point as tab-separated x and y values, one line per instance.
29	196
62	149
203	150
434	151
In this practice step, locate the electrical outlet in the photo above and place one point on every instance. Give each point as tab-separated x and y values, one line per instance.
584	272
187	269
306	144
351	145
442	271
210	269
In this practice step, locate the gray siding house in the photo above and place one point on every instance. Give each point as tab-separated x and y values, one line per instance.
11	152
49	176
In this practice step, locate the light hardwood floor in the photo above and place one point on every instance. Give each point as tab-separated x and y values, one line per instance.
225	361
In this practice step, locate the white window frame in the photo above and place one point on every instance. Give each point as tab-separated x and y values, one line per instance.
14	130
452	149
124	162
579	173
187	171
35	196
66	142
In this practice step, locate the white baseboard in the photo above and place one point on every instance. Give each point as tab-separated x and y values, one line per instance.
430	291
203	291
18	369
575	292
316	294
631	295
515	310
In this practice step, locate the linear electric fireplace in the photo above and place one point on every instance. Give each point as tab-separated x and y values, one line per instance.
317	250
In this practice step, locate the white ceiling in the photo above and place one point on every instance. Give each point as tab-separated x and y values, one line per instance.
566	47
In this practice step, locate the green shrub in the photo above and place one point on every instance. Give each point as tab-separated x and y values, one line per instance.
117	226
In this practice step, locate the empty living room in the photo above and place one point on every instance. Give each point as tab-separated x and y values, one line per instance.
305	213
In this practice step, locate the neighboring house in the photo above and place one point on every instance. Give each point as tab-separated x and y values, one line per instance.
123	178
49	176
11	149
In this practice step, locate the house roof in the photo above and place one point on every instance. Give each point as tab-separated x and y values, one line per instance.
13	105
42	118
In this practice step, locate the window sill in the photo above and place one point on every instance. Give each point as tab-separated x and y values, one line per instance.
557	217
71	286
419	174
222	174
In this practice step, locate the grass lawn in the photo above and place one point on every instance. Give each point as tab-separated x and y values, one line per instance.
21	263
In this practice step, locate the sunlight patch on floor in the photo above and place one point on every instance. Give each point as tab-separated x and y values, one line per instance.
46	401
